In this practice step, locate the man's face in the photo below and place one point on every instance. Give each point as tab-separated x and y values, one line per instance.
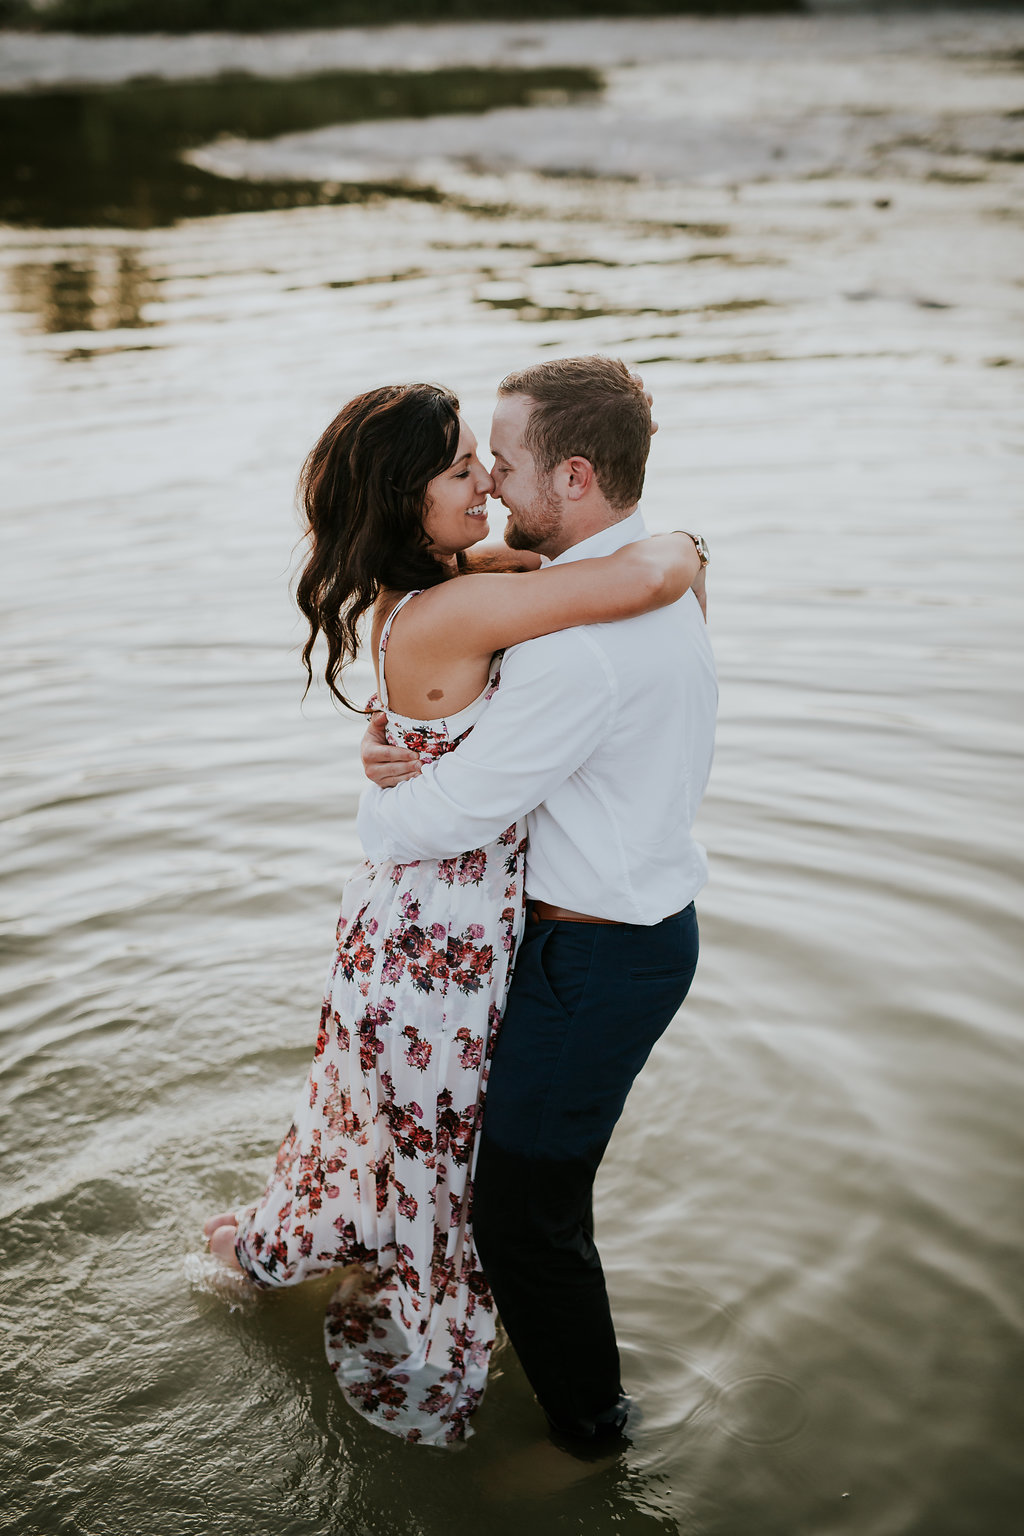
535	513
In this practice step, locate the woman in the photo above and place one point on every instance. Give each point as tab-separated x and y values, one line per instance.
376	1169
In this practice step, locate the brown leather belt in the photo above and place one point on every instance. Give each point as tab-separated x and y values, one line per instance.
544	912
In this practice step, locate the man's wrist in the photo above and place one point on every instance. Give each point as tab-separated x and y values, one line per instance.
699	545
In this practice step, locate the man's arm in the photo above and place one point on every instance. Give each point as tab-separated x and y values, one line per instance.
549	713
498	557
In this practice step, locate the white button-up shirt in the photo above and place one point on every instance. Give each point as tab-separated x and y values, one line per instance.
604	735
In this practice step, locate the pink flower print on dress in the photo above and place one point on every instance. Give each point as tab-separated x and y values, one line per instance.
437	964
407	1272
321	1039
493	1029
380	1394
394	965
341	1121
382	1179
419	1051
455	1128
472	867
410	1139
437	1400
363	956
420	976
370	1044
472	1051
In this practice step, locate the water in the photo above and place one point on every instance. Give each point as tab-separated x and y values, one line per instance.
810	1213
128	170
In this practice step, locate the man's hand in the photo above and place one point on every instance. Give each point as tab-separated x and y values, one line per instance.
699	590
383	765
498	557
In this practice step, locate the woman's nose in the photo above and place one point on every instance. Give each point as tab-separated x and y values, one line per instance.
485	482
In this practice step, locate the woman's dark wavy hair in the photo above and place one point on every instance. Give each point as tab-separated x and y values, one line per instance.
363	489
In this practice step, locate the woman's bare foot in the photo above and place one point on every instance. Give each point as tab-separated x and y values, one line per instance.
226	1218
222	1246
220	1233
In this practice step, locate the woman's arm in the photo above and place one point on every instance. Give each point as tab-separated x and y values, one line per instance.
480	614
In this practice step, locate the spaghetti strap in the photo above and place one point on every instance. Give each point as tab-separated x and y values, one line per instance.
382	687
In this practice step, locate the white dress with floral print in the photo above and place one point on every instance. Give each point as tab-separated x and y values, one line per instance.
376	1169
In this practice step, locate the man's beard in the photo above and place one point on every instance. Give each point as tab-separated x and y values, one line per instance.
538	524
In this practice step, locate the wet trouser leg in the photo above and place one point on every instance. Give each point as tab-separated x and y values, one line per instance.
587	1003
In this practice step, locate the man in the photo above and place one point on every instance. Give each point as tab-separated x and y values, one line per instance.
604	735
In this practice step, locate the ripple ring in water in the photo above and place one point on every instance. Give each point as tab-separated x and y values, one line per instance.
762	1409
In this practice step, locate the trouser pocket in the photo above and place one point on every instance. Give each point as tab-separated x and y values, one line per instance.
565	960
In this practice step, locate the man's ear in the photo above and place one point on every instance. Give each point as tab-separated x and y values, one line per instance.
579	478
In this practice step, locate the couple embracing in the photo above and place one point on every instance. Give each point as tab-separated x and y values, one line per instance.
523	930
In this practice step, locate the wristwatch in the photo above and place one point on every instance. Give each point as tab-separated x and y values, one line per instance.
699	544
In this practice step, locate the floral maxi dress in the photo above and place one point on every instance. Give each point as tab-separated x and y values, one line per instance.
377	1167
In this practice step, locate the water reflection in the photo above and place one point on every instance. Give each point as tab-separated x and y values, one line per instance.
575	305
111	156
808	1214
99	289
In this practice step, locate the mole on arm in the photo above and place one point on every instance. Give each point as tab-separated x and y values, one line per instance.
435	693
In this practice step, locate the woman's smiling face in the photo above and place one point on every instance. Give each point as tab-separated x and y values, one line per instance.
455	512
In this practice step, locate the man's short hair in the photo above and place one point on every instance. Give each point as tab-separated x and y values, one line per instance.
591	408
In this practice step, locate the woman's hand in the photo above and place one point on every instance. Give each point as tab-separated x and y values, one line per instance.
638	381
383	765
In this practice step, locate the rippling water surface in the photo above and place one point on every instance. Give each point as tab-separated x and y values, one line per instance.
810	1213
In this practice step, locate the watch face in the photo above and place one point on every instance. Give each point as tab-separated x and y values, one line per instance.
702	549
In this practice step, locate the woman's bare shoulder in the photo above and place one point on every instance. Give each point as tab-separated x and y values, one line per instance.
451	619
384	606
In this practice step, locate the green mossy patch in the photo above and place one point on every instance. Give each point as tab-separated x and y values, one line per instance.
112	156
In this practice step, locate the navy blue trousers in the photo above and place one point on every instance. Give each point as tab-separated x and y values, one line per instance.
587	1003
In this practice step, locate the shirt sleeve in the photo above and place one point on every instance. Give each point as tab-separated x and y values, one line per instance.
552	708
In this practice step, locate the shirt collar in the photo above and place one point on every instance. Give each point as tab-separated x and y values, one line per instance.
607	541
